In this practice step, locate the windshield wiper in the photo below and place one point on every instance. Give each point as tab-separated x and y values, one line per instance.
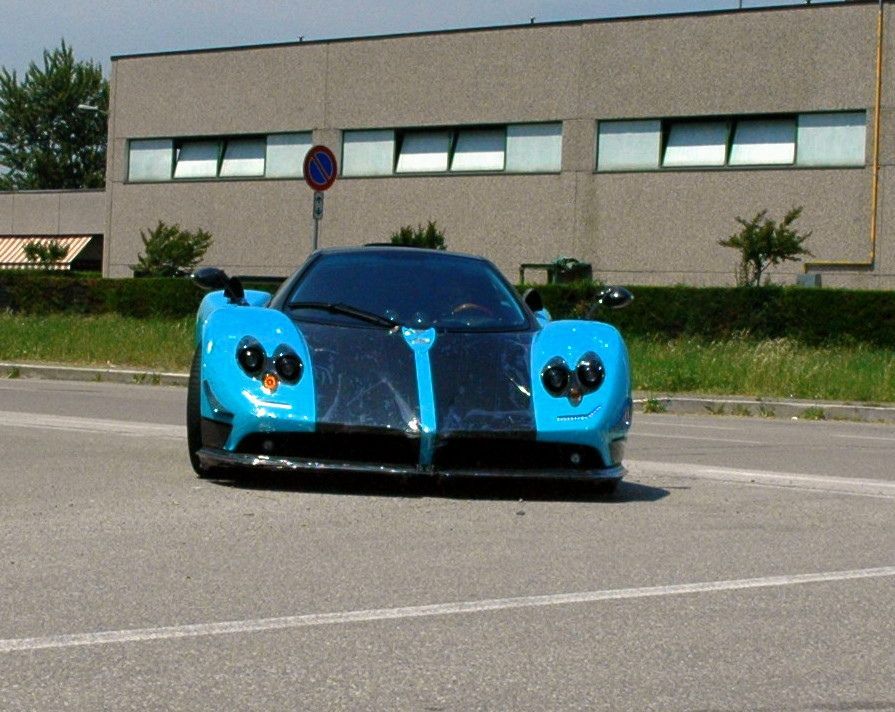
337	308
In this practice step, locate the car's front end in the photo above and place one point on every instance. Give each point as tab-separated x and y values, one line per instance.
309	393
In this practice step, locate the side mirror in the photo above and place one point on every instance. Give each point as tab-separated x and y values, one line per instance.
212	278
615	298
532	299
611	298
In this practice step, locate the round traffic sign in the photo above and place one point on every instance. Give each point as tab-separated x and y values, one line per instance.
320	168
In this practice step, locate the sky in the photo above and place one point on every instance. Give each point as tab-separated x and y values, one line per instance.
99	29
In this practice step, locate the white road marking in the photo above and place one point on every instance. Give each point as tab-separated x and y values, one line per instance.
438	609
719	440
838	485
13	419
658	420
864	437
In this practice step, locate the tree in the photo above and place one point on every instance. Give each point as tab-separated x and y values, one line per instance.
762	242
45	254
430	237
46	142
171	251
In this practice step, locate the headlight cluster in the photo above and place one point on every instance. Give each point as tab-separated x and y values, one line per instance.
284	365
561	380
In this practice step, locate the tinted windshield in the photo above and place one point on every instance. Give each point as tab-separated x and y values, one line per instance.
415	288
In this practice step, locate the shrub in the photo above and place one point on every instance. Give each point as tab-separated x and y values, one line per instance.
45	254
171	251
762	243
429	237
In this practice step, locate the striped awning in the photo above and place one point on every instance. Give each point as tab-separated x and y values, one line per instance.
12	250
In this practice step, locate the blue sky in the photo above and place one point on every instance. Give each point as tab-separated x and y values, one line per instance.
98	29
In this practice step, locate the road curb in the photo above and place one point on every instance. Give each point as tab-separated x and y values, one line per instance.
97	375
674	404
766	408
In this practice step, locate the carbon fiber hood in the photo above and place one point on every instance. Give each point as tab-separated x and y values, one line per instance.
482	383
366	378
363	378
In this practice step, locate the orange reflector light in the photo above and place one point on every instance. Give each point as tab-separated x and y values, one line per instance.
270	382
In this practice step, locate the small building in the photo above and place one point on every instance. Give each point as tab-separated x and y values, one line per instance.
74	219
631	144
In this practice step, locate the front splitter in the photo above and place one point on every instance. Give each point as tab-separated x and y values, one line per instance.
218	458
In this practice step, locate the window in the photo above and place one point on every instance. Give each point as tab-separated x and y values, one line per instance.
150	160
822	139
629	145
479	150
424	152
368	153
513	148
832	139
197	159
244	157
286	154
534	148
763	142
698	143
274	156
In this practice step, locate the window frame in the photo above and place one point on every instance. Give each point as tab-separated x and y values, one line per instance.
222	140
733	121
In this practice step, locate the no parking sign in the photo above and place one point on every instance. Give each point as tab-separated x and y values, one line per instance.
320	170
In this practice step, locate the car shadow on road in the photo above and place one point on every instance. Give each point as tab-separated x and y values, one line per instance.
471	488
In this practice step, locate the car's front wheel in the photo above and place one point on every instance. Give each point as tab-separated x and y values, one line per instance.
194	418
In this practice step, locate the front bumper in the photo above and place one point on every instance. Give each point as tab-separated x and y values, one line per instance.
214	458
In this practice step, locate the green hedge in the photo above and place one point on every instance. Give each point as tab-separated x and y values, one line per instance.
813	316
40	293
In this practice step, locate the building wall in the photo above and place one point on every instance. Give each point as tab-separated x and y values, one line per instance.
648	227
52	212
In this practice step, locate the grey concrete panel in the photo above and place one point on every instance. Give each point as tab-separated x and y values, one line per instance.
579	150
526	74
254	90
6	208
887	137
82	212
702	65
36	213
785	61
664	227
885	255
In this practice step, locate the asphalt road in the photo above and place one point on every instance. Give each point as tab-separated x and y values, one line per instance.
744	565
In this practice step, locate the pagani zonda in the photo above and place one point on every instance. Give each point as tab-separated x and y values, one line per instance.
404	361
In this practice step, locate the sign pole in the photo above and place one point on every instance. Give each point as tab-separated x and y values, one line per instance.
320	170
318	216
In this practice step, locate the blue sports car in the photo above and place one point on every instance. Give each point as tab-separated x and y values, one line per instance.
404	361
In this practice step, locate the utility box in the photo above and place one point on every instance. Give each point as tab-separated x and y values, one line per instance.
568	269
561	271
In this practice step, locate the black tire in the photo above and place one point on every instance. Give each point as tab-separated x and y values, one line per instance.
194	418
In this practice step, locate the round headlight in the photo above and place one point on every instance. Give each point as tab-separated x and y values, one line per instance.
288	366
590	372
250	355
555	377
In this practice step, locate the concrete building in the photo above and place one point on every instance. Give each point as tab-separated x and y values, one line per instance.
632	144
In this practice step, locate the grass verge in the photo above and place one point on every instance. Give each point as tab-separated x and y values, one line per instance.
771	368
740	366
102	340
